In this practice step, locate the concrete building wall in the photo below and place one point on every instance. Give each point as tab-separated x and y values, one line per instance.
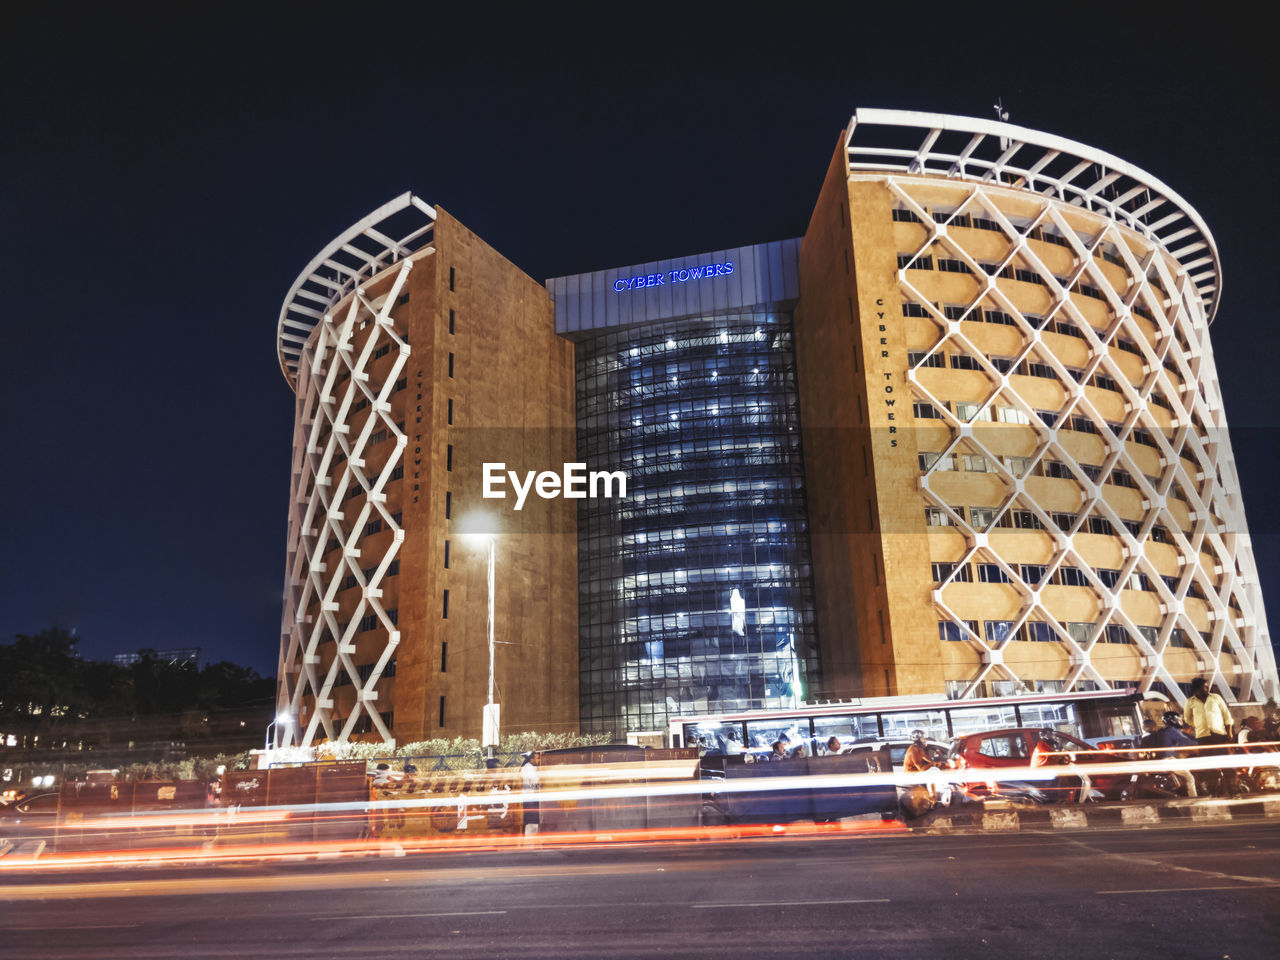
868	538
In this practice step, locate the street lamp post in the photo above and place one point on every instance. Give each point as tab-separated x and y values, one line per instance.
481	526
490	725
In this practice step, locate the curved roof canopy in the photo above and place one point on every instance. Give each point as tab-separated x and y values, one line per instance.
973	149
358	253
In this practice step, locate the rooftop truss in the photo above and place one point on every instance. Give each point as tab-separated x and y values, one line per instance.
968	148
364	249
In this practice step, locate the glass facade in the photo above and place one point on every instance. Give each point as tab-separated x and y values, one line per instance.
695	591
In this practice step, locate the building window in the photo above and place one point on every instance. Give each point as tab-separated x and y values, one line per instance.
402	300
446	554
997	631
909	261
448	504
1114	633
382	351
943	570
1070	577
952	632
1099	525
1033	573
937	517
919	358
397	473
936	461
1011	415
1018	466
451	277
1020	520
448	456
444	656
449	411
966	412
1036	631
441	711
1122	478
980	517
451	364
914	310
370	621
925	411
445	611
451	320
999	316
960	361
991	573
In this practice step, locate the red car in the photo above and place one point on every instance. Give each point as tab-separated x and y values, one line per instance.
1014	748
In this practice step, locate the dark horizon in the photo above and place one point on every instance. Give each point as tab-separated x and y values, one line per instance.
170	172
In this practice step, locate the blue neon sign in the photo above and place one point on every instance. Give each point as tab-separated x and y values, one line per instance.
674	276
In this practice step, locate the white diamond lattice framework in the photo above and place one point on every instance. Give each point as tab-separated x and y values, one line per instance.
330	368
1196	461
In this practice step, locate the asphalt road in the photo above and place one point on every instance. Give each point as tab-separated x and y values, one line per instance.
1166	892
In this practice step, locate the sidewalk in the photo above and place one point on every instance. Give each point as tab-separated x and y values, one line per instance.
1003	816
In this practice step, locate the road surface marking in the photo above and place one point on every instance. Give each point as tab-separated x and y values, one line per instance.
783	903
1240	886
88	926
404	916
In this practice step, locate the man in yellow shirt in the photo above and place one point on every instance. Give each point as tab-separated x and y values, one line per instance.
1210	720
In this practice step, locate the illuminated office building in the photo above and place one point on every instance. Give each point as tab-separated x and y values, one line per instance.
964	436
695	592
1016	453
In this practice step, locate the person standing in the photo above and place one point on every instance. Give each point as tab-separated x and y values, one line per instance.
1210	721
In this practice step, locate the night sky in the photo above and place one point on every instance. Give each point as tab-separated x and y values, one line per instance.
167	174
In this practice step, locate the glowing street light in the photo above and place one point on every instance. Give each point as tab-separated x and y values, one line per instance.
282	723
481	528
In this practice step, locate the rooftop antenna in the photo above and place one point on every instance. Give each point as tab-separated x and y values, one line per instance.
1003	116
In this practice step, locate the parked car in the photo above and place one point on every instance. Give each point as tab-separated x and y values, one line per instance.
33	808
1013	747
